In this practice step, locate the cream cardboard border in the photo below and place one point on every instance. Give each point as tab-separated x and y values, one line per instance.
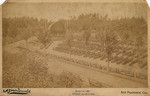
69	91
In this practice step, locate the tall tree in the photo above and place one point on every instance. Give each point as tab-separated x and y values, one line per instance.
69	36
86	36
26	33
108	39
111	44
44	35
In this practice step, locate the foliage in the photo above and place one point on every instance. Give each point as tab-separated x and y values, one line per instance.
123	27
69	38
30	70
69	80
110	33
21	28
86	36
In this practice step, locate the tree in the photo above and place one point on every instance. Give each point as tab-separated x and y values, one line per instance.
69	39
45	38
138	44
108	39
111	44
86	36
44	35
25	34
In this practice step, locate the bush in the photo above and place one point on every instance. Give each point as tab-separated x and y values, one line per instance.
30	70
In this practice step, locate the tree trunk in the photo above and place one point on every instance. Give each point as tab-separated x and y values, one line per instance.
45	48
86	49
26	43
108	65
70	52
135	74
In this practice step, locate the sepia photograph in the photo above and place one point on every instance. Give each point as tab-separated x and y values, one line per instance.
74	45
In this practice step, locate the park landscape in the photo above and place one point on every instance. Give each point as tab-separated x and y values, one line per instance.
88	50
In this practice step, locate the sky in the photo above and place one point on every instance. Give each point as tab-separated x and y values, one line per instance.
55	11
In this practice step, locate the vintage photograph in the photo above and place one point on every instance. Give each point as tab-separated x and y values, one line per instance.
74	45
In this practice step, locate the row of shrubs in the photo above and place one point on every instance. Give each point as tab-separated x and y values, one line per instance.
95	51
101	67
